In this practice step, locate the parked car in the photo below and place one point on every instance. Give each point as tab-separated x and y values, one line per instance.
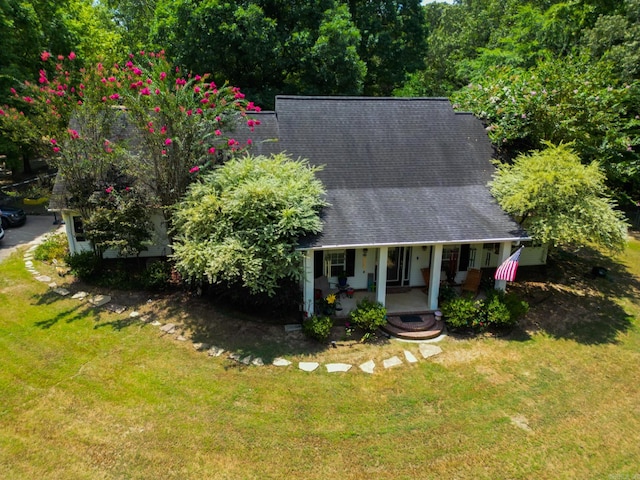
12	217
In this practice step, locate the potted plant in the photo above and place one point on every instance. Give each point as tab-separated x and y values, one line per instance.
342	279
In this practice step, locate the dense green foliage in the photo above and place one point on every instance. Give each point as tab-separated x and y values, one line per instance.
498	310
241	223
317	327
559	200
368	315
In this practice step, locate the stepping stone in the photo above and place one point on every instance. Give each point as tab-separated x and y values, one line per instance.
428	350
33	271
181	338
235	356
257	362
43	278
338	367
61	291
368	367
115	308
410	357
134	315
293	327
281	362
80	295
53	285
168	328
156	323
215	351
99	300
28	264
201	346
308	366
246	360
28	256
391	362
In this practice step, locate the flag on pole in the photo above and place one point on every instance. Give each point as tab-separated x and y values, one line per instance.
507	271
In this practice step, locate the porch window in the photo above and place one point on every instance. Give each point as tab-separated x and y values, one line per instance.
335	263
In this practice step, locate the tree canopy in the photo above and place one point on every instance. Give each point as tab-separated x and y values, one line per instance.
240	224
559	200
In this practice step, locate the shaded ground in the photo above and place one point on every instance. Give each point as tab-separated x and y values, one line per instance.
566	301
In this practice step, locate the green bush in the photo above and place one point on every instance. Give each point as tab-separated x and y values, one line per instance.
462	312
369	315
498	310
53	247
156	276
317	328
84	265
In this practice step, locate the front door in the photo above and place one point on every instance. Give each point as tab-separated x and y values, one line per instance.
398	263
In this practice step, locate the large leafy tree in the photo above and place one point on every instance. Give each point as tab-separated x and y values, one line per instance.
241	223
559	200
563	100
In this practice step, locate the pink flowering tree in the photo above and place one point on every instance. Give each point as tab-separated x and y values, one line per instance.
141	126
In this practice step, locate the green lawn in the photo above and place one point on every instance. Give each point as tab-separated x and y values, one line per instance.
83	395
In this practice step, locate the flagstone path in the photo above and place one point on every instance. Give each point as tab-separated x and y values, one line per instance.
105	301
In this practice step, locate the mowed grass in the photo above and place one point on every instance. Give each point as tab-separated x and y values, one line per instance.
81	396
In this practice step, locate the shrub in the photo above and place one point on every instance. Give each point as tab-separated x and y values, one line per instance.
84	265
369	315
53	247
498	310
156	276
462	312
317	328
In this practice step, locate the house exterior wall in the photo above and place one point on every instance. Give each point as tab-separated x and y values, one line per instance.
159	243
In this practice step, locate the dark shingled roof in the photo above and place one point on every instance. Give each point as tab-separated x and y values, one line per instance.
396	170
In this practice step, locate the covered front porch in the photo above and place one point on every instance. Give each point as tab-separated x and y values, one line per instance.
405	278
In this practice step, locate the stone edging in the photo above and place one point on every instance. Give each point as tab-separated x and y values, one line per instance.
426	349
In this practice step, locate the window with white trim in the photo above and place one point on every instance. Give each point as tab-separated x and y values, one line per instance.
335	262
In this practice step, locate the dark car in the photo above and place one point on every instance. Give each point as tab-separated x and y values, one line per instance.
12	216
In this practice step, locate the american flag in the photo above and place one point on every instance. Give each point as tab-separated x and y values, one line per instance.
507	271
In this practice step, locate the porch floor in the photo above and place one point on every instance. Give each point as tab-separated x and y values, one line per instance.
412	301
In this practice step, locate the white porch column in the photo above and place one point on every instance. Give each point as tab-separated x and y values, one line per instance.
381	282
505	251
434	276
307	289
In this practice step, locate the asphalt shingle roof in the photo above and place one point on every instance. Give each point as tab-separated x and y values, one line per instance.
397	170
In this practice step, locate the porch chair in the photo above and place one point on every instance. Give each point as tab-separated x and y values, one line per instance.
322	287
472	282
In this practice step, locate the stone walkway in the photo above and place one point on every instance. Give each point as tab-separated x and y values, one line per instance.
105	301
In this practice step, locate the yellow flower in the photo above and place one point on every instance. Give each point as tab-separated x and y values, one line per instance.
331	299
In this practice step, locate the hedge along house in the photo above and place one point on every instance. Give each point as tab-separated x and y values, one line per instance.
406	179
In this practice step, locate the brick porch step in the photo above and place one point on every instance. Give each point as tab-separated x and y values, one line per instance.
433	331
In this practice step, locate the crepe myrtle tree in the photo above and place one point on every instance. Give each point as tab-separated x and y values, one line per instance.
240	224
169	123
559	200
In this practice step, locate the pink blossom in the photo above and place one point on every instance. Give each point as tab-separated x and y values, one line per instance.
112	79
163	75
104	99
189	112
167	141
60	57
163	129
204	101
149	81
44	56
145	91
249	142
218	132
115	96
195	169
198	78
164	152
156	109
199	111
108	189
212	150
157	91
28	99
73	133
127	189
72	56
231	142
1	112
218	118
103	80
56	149
196	89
